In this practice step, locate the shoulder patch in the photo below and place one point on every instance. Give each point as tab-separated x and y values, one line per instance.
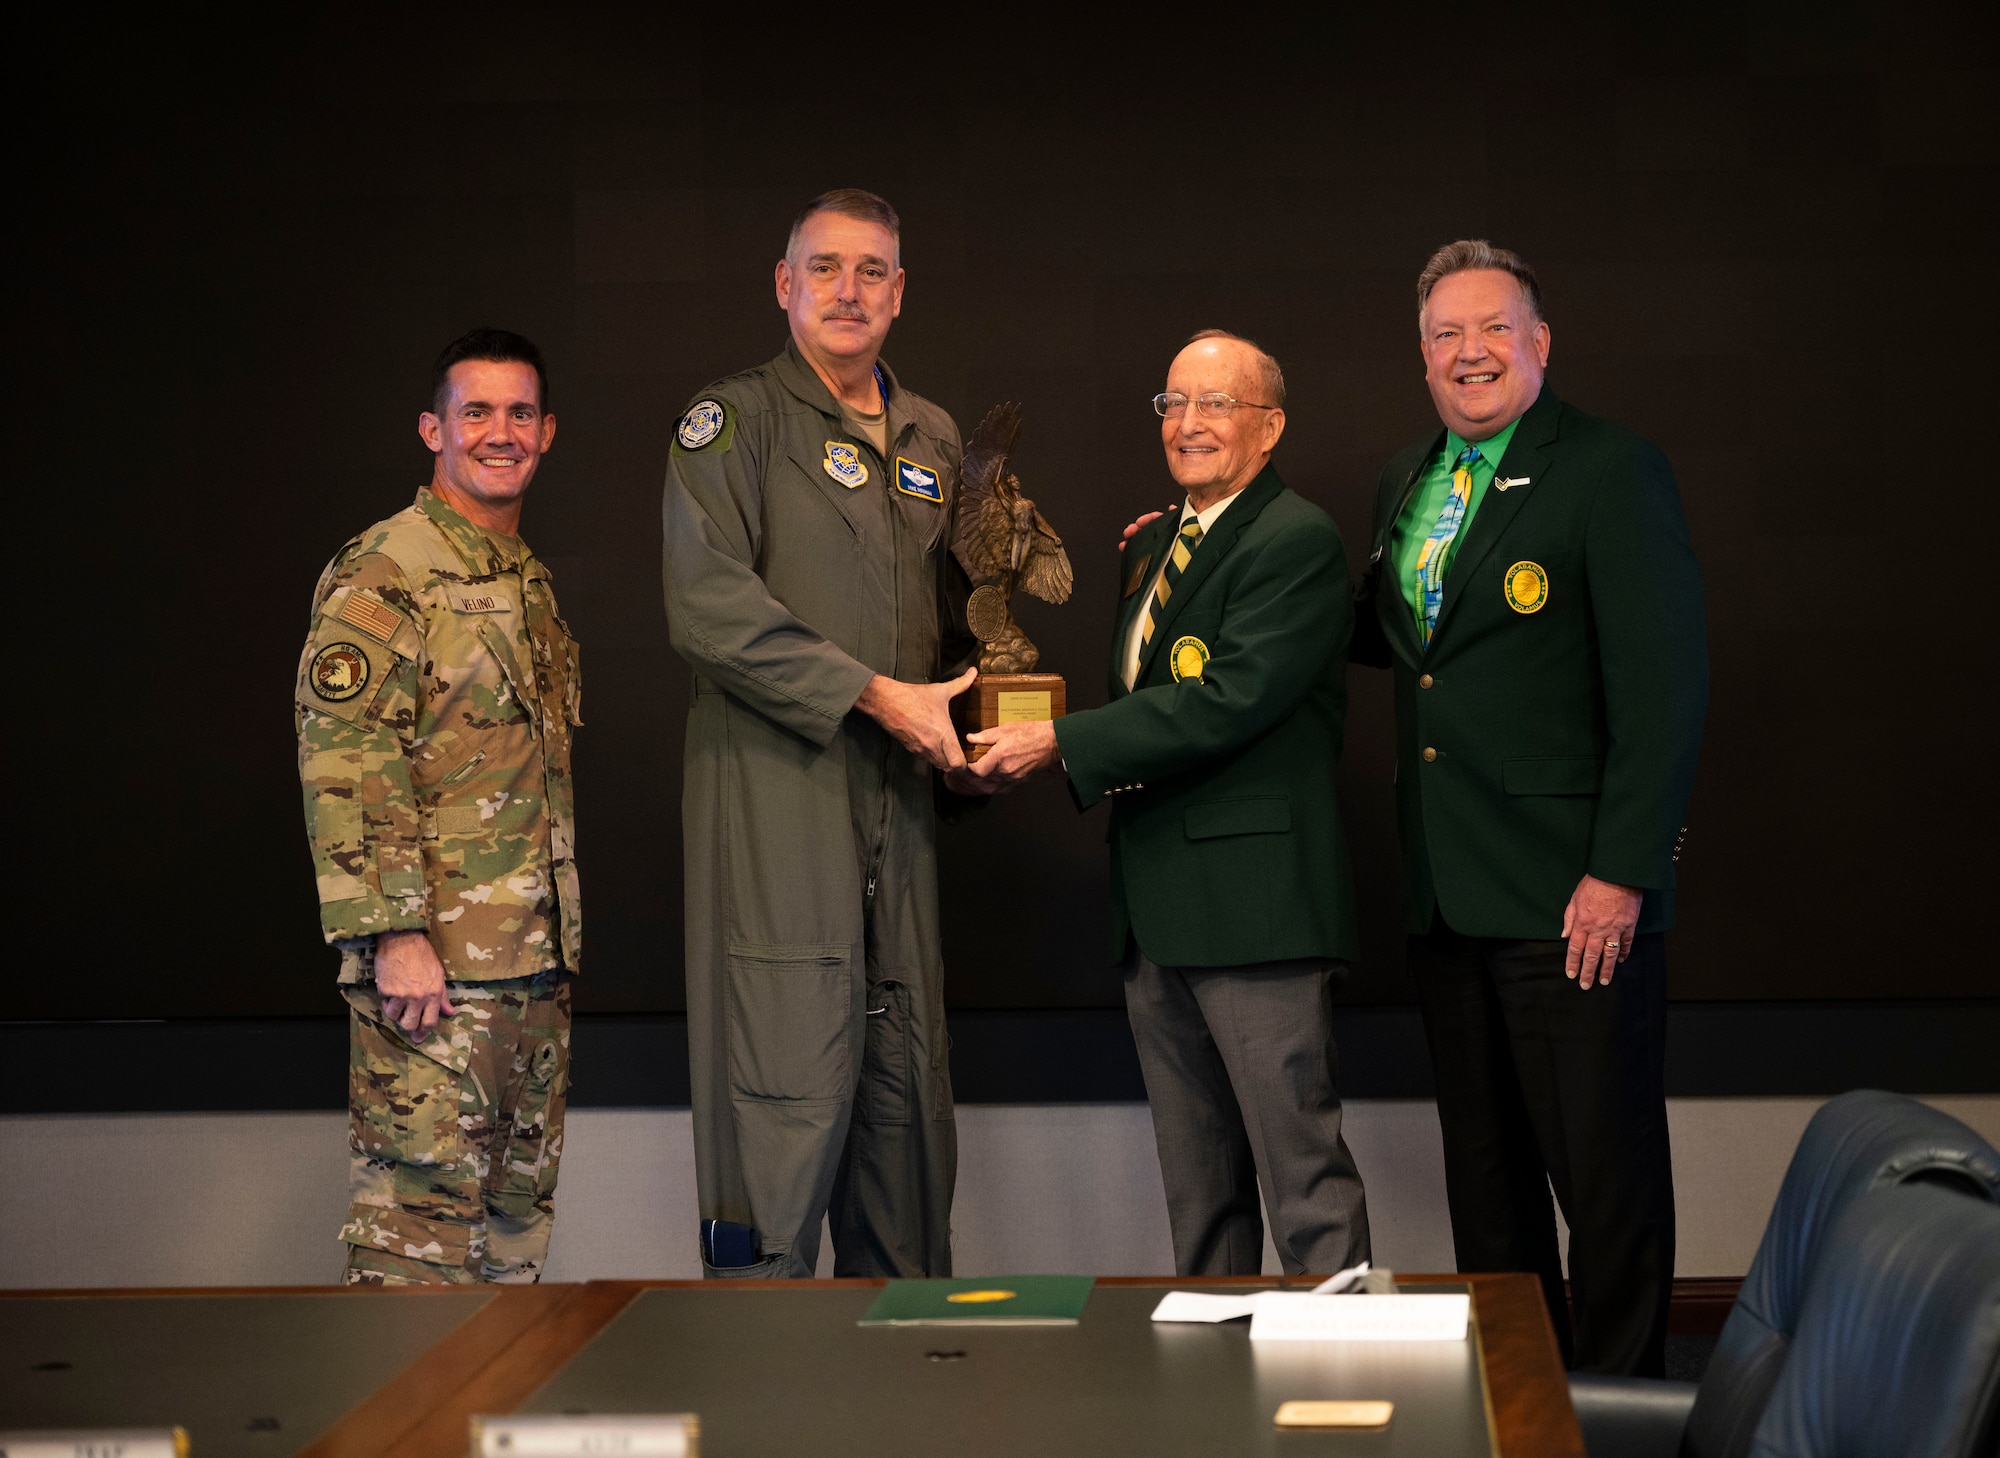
919	481
339	671
708	424
366	611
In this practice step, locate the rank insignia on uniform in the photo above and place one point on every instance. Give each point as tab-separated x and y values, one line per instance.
1138	577
339	671
1526	587
919	481
843	462
1189	657
702	424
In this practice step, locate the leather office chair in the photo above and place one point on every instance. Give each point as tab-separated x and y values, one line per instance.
1898	1346
1856	1142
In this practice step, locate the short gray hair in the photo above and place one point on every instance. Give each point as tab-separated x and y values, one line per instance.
1270	379
849	202
1468	254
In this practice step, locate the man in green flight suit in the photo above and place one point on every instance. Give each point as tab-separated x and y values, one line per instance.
809	581
1231	908
1534	588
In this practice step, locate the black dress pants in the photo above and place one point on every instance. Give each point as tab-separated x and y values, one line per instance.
1541	1084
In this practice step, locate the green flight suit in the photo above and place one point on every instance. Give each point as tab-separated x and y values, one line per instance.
798	564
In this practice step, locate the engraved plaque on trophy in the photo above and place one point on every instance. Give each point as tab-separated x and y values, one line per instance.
1004	544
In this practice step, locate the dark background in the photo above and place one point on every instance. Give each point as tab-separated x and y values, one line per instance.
1766	238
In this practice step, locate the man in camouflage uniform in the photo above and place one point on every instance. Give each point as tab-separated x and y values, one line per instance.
809	583
436	698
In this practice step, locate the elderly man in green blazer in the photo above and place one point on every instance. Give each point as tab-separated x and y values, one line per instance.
1232	910
1533	587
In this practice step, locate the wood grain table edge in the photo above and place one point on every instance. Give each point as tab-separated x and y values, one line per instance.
1526	1387
380	1421
494	1371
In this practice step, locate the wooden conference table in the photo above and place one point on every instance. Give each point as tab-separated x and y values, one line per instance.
773	1368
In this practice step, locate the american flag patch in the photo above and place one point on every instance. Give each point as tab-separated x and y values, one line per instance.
371	615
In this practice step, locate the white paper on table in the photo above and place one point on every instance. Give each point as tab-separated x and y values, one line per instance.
1347	1280
1194	1306
1288	1316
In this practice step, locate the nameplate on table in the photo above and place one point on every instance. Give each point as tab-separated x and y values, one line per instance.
1287	1316
626	1435
1301	1316
95	1443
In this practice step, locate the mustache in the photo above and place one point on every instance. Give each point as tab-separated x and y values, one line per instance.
846	311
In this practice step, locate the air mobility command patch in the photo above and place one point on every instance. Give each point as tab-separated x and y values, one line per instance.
919	481
707	423
339	671
1526	587
843	462
1189	657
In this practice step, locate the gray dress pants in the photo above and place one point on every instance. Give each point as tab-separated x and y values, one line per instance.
1240	1069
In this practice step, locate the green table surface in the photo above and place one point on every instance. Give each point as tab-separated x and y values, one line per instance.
778	1373
250	1375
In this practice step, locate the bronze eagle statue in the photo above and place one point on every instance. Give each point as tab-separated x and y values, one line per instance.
1003	543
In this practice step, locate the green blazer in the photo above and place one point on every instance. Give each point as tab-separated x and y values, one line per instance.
1226	845
1550	728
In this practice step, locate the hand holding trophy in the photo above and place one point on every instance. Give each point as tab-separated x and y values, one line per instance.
1004	543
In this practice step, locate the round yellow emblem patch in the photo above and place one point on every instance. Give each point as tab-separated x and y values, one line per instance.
339	671
1188	658
1527	587
963	1297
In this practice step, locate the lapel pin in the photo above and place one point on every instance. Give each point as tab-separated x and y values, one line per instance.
1503	482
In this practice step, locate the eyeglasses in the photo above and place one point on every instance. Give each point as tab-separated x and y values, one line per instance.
1213	405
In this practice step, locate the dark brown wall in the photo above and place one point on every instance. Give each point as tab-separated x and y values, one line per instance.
1767	248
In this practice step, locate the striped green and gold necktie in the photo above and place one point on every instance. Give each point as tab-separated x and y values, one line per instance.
1177	561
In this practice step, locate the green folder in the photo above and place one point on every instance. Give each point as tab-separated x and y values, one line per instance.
986	1301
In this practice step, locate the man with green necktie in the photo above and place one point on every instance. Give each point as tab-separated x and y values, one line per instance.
1533	586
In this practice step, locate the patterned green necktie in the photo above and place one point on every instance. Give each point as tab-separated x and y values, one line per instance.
1431	559
1177	561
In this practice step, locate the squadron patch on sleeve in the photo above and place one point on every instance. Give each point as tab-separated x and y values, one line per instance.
919	481
707	423
339	671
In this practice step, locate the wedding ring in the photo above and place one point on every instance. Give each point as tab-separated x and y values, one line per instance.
1611	941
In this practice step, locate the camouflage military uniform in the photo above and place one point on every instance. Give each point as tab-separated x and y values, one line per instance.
436	698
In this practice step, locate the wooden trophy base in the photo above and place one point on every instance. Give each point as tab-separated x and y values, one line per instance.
1007	698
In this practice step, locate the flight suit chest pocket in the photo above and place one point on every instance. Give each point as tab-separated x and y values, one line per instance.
790	1015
